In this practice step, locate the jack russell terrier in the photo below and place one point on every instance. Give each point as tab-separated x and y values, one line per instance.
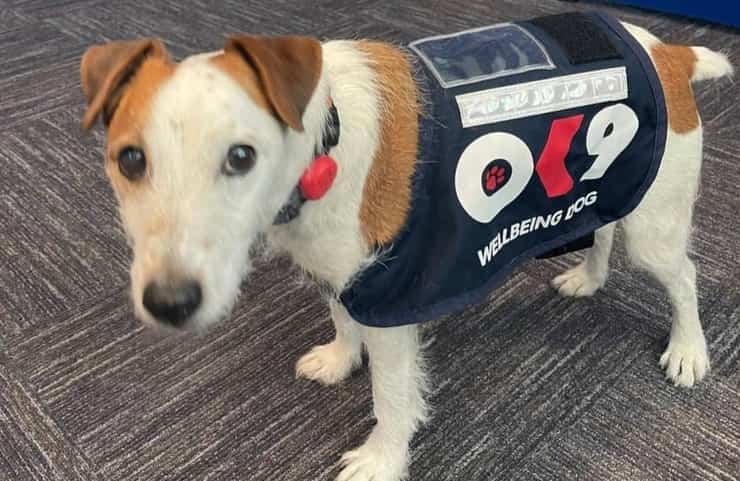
409	180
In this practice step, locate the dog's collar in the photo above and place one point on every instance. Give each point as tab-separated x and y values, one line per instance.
318	177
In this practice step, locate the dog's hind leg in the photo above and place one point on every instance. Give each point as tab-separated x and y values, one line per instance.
661	250
657	238
333	362
588	276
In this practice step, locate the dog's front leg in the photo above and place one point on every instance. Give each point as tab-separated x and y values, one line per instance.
333	362
399	384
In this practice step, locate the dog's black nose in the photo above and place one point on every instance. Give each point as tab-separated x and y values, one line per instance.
172	303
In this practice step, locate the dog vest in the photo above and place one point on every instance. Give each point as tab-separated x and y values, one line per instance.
535	134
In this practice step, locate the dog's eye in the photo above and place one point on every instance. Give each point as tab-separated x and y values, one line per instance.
239	160
131	162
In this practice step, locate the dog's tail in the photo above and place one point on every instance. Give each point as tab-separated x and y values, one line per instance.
710	64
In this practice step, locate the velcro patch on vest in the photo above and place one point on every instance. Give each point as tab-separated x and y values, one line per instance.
582	40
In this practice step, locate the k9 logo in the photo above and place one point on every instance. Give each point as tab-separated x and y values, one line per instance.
504	163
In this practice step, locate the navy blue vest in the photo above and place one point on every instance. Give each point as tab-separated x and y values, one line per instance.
535	134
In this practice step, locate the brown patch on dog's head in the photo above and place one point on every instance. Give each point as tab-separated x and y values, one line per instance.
132	114
288	69
119	80
675	66
106	70
386	197
241	71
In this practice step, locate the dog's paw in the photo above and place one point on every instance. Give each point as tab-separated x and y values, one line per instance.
327	364
685	363
577	282
368	463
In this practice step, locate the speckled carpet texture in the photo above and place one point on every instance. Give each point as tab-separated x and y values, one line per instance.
529	386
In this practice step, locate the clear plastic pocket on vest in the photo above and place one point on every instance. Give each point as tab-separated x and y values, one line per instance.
484	53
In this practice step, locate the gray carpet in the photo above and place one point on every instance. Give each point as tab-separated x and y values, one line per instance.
527	387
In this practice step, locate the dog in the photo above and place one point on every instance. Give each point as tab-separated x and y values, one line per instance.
314	147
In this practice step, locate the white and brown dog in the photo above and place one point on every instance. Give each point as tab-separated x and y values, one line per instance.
203	154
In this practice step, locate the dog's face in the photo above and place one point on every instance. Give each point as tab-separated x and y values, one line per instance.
201	156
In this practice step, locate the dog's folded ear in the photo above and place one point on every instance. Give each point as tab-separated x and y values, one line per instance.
288	69
106	69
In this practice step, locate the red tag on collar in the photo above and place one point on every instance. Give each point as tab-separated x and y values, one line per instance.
318	177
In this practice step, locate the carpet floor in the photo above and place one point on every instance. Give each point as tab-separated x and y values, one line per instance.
530	386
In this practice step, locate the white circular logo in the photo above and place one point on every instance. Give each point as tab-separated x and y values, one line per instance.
482	188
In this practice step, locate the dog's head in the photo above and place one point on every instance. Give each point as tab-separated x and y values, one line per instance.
201	155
